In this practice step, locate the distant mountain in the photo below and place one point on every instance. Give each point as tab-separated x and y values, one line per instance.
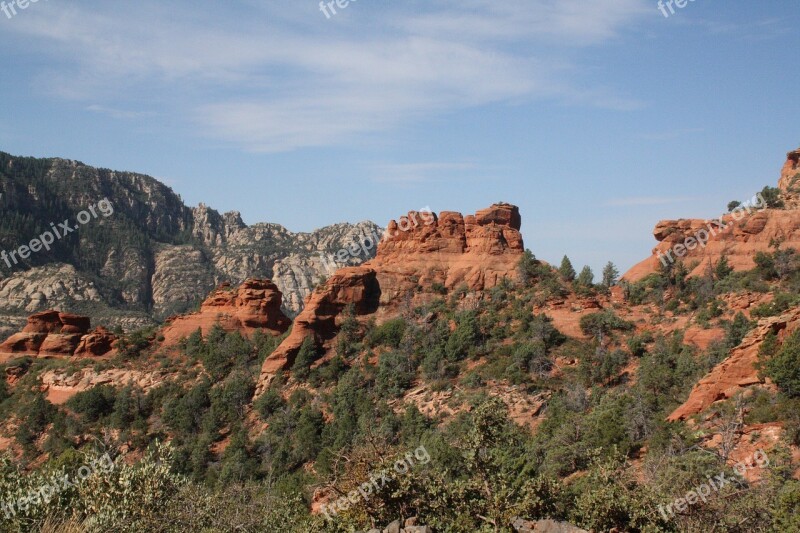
153	257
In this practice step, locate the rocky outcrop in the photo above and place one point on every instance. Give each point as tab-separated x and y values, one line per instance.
420	252
738	371
790	175
737	236
320	320
254	305
55	334
449	250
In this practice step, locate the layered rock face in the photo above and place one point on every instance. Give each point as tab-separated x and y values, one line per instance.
254	305
418	251
54	334
738	236
422	249
738	371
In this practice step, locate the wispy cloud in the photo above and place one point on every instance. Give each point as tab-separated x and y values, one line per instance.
274	76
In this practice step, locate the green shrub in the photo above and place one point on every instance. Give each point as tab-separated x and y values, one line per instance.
395	374
388	334
304	359
268	403
94	403
784	367
603	323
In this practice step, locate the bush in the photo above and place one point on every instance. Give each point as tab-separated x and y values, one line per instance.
784	367
772	197
94	403
603	323
780	304
395	374
35	414
464	339
388	334
268	403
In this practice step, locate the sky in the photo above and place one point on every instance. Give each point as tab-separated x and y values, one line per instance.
597	118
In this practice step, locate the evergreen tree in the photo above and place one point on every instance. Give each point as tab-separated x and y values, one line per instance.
586	277
305	358
610	275
723	269
566	270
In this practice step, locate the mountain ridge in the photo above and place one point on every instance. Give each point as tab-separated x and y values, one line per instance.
154	257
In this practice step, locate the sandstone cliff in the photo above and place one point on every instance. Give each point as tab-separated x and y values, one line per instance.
419	253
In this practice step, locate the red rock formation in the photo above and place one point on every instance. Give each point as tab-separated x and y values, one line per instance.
255	305
418	251
54	334
745	233
320	319
99	342
477	250
791	170
738	371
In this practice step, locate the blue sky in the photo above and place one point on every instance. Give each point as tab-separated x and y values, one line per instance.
597	118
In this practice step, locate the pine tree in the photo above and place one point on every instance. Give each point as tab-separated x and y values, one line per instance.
586	277
566	270
305	358
723	269
610	275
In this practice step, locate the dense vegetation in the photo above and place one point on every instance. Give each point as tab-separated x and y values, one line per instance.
602	457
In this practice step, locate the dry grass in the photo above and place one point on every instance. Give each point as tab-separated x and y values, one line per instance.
55	525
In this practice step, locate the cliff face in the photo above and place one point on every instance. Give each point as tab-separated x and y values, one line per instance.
419	252
152	257
737	236
422	249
